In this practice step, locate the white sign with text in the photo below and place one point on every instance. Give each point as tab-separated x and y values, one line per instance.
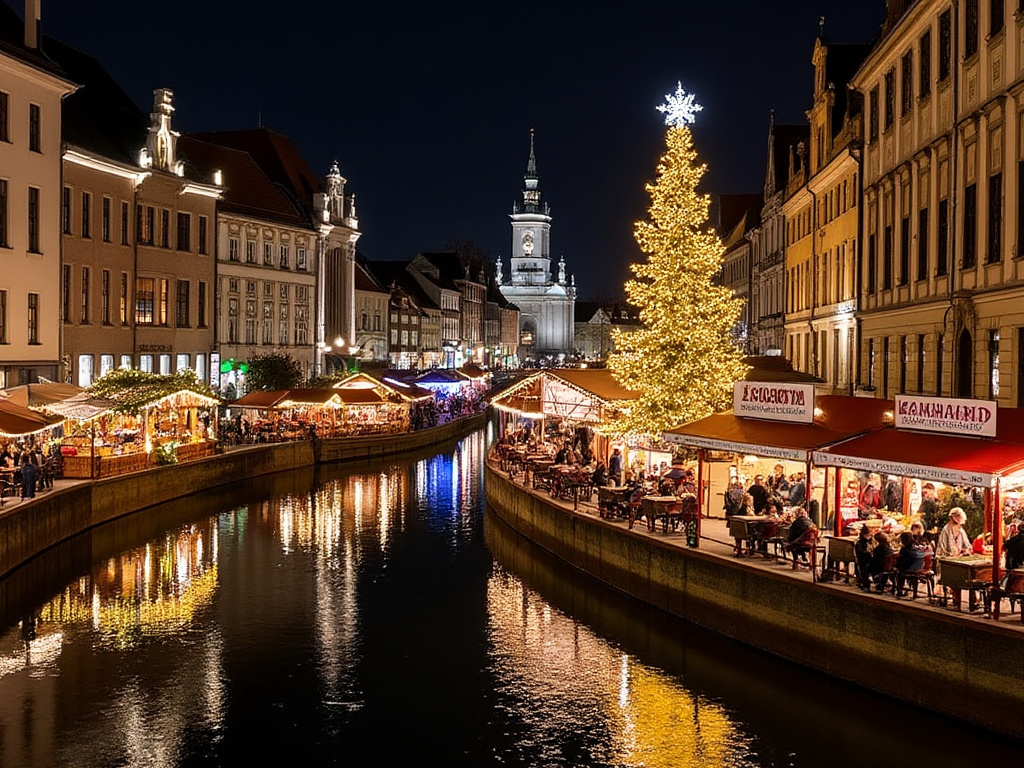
948	415
774	401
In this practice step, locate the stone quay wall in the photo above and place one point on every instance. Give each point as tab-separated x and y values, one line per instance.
26	529
938	660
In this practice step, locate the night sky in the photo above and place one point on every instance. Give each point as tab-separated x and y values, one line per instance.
428	106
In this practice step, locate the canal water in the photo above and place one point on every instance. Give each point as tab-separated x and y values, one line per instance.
378	615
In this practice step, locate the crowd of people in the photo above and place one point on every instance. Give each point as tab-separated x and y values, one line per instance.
28	468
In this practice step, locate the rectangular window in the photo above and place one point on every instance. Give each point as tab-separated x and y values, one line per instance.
145	298
105	297
945	45
268	323
904	277
282	325
203	223
993	364
165	228
65	304
123	305
146	363
232	321
181	311
4	242
906	83
995	218
872	116
33	318
5	116
65	211
184	232
33	220
268	254
86	215
940	353
889	116
872	264
970	28
126	362
201	307
871	363
165	365
996	17
164	301
124	222
3	317
300	258
924	65
920	362
145	223
284	257
34	129
233	249
922	244
105	219
182	363
904	362
394	337
85	295
970	226
942	239
250	251
887	246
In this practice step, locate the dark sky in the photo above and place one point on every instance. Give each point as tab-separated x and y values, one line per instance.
427	106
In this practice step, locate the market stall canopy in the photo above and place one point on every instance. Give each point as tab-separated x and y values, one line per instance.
184	398
394	392
836	418
287	398
81	407
776	368
575	394
39	395
474	372
17	420
956	460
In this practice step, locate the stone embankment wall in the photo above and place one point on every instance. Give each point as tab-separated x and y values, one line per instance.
966	668
26	529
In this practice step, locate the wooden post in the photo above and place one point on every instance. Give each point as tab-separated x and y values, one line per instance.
992	503
839	502
700	488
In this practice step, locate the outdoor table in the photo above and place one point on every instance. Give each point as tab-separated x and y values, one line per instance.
612	500
741	528
668	509
841	550
972	573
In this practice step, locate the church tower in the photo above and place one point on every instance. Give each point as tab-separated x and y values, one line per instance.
546	304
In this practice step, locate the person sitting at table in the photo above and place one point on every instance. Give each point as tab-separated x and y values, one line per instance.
795	539
917	531
600	476
881	558
953	540
909	558
759	493
563	455
734	497
862	551
667	486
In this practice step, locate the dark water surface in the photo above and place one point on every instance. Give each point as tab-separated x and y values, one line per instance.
378	616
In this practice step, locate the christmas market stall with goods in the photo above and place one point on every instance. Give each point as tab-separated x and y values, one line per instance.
940	453
771	434
131	420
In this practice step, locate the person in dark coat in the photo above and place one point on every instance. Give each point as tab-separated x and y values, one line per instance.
862	551
29	475
798	491
759	494
880	557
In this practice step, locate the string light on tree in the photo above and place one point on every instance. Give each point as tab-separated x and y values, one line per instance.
682	360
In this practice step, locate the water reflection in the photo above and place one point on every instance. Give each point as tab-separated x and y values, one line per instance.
374	616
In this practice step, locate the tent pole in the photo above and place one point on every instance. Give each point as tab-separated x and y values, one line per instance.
838	517
993	508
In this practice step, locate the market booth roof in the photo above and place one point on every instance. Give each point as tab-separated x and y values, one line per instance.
17	420
40	395
946	458
386	391
81	407
836	418
578	394
287	398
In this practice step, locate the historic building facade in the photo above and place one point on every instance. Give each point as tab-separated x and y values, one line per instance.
821	215
31	89
545	303
941	277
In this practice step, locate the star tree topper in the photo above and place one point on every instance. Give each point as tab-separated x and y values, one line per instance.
679	107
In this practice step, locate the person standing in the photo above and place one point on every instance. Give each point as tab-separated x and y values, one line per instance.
615	466
953	539
29	475
798	491
759	494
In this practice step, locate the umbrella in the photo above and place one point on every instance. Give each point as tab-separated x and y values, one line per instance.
675	473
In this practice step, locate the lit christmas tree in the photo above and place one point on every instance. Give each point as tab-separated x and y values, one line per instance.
682	360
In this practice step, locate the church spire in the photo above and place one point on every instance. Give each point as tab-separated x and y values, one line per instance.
531	191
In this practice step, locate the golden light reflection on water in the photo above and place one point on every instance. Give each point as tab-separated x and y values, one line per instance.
576	679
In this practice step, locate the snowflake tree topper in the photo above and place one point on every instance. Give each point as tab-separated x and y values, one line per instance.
679	107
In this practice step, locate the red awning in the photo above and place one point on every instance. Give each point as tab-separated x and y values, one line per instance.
837	418
975	461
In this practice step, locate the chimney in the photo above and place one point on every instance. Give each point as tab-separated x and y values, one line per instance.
32	24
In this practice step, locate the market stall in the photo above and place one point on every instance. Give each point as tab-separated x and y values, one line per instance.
943	452
287	414
775	427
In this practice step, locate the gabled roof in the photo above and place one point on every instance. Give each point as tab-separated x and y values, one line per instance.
286	398
449	264
618	313
785	138
247	189
366	280
276	156
841	62
388	272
